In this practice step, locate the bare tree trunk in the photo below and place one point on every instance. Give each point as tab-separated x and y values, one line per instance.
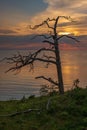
58	61
59	69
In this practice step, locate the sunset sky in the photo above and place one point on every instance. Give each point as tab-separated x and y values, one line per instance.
17	15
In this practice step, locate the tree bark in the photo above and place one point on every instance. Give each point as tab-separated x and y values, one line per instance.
59	70
58	61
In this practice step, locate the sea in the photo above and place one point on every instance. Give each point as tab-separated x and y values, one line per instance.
16	84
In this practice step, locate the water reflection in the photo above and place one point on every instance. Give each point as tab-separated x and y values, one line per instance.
74	65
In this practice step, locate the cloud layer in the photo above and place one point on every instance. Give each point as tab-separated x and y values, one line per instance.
17	21
14	26
25	42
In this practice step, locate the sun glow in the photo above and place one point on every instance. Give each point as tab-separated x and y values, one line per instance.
64	33
75	33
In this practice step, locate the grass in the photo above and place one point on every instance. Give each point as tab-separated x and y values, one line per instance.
66	112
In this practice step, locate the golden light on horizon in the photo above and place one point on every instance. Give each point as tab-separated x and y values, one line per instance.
75	33
64	33
71	30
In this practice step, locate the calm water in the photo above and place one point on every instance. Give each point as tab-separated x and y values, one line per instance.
15	86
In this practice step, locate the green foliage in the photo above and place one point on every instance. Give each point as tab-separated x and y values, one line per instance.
23	99
76	83
31	96
48	90
66	112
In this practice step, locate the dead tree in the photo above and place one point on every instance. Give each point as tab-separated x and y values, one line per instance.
52	39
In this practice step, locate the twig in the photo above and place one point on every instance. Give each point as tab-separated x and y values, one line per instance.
48	79
68	37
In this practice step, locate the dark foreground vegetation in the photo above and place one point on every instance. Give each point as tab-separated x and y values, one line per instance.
55	112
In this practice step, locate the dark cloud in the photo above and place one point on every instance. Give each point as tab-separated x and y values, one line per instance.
22	42
23	7
7	31
19	39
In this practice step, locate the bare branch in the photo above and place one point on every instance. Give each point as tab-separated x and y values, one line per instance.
48	25
48	79
43	60
43	23
51	43
14	68
48	19
20	61
49	57
68	37
30	62
67	17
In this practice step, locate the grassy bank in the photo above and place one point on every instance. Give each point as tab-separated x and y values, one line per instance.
65	112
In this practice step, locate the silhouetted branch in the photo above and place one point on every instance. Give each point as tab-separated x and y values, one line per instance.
43	23
67	17
48	79
20	61
51	43
68	37
48	19
43	60
48	25
30	62
49	57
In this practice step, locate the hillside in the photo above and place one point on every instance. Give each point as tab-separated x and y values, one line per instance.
56	112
